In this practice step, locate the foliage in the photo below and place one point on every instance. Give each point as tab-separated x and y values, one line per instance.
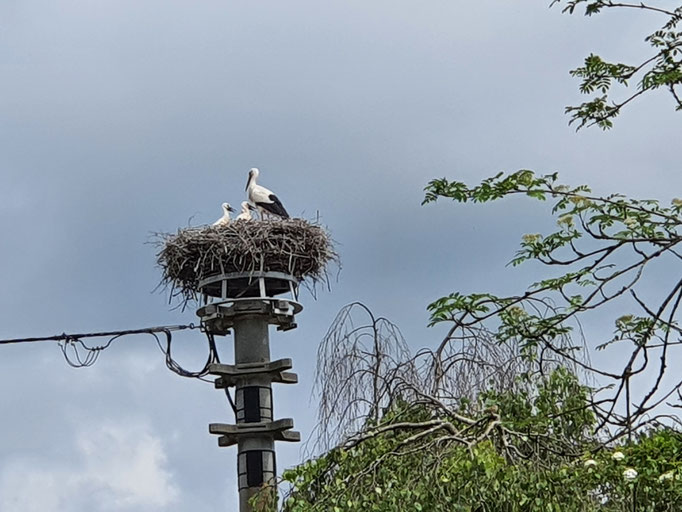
425	432
555	404
543	441
364	366
497	417
405	464
603	246
644	474
662	69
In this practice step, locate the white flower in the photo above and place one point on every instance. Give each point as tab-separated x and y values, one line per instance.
630	474
589	463
580	201
565	220
676	202
625	319
630	222
531	238
618	456
599	494
669	475
516	312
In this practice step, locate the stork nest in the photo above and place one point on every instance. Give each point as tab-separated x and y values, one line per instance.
292	246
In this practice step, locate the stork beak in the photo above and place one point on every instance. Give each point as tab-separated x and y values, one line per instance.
230	209
251	207
248	180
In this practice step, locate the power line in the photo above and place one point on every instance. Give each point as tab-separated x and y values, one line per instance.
65	337
80	355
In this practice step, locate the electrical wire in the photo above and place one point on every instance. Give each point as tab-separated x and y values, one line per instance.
79	354
64	336
211	344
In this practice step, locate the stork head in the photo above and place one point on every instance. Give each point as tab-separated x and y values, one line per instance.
253	174
246	206
227	208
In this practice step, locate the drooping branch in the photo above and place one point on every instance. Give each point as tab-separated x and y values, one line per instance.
357	362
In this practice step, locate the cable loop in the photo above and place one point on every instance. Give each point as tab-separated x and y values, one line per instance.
79	355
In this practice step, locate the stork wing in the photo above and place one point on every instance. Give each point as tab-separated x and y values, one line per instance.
274	207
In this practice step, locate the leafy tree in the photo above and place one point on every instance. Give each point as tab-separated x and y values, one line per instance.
498	415
662	69
604	247
415	461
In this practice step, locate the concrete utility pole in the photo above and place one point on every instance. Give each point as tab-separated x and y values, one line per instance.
248	303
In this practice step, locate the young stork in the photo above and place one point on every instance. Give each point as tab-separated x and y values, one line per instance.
246	211
263	198
225	219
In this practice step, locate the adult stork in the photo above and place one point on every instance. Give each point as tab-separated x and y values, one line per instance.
225	219
264	199
246	211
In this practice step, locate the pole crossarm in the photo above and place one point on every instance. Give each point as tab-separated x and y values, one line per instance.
280	430
230	375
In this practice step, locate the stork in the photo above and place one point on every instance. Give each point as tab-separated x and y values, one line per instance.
246	211
225	219
263	198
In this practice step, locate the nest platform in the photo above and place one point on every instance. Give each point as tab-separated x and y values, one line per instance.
291	247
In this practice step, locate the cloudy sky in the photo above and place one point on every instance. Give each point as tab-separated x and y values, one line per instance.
119	118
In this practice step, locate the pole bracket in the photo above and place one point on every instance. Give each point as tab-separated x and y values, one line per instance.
279	429
218	317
